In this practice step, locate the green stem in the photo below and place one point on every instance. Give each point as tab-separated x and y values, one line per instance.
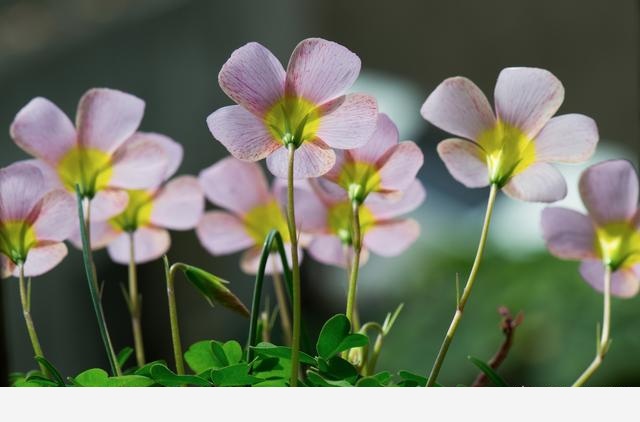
355	264
93	286
369	365
25	300
603	344
283	308
135	305
462	301
295	267
173	314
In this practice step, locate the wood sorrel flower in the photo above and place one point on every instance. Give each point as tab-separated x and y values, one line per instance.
34	221
176	205
609	235
513	148
383	165
252	211
93	154
305	106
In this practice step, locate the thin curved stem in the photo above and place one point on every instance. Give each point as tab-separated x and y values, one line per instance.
295	269
283	308
602	346
355	263
173	314
135	308
25	300
462	301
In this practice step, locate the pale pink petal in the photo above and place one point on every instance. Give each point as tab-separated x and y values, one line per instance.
465	161
108	203
350	125
179	205
540	182
329	250
342	158
401	166
391	238
320	70
140	163
55	220
173	150
311	212
384	138
107	117
609	191
42	259
101	233
384	208
250	260
312	159
624	282
222	233
568	234
51	177
149	244
22	185
6	267
527	97
41	129
570	138
235	185
242	134
253	78
459	107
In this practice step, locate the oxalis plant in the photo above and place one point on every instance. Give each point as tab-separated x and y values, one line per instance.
343	185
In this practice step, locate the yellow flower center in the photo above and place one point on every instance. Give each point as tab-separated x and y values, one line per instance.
339	220
16	239
260	220
137	214
88	167
359	179
508	151
293	120
618	244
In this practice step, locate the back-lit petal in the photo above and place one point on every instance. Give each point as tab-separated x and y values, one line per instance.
624	282
328	249
42	259
540	182
570	138
149	244
173	150
108	203
320	70
465	161
102	233
459	107
140	163
568	234
384	138
41	129
401	166
392	238
609	191
179	205
526	98
55	220
250	260
350	125
312	159
222	233
22	185
107	117
235	185
384	208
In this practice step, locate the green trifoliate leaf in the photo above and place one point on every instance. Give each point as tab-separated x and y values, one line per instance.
336	337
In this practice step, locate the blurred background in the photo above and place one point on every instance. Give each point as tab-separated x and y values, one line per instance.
169	52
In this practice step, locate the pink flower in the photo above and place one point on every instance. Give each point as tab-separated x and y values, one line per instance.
175	205
306	106
514	147
34	221
382	165
608	235
251	212
93	154
326	216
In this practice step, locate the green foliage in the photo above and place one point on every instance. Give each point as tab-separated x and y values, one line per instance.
336	337
210	354
123	356
496	379
164	376
271	350
97	377
213	289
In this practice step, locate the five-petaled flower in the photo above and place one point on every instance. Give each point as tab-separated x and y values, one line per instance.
251	212
176	205
34	221
609	235
514	147
101	154
383	165
305	106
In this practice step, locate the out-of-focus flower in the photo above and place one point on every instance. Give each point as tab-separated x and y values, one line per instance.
514	147
34	221
100	153
176	205
326	216
252	211
382	165
305	106
609	235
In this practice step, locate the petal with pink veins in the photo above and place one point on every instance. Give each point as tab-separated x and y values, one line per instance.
22	185
527	97
312	159
384	208
42	259
41	129
329	250
570	138
624	282
108	203
540	182
102	233
401	166
350	125
568	234
107	117
244	135
179	205
392	238
459	107
173	150
465	161
609	191
384	138
55	220
320	70
140	163
149	244
222	233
